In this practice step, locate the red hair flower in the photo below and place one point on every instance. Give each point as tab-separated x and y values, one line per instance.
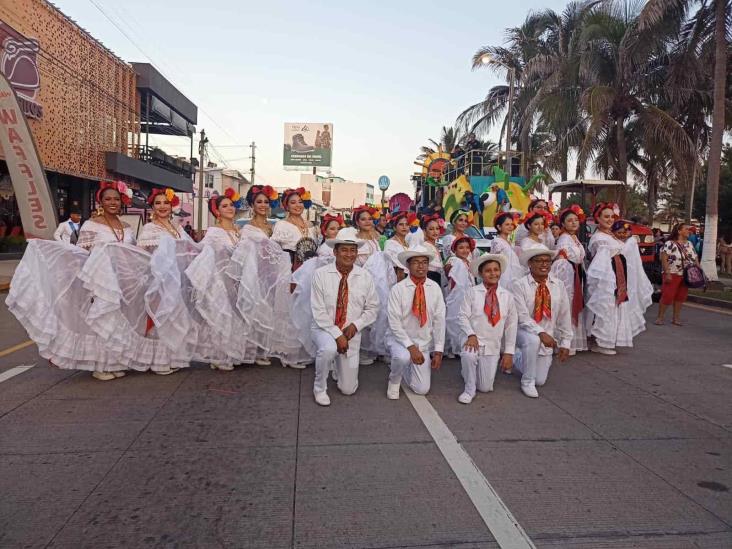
125	193
600	206
169	195
326	220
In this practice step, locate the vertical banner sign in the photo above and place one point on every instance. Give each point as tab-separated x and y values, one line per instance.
37	211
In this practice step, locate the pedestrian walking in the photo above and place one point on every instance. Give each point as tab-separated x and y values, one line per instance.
677	253
68	231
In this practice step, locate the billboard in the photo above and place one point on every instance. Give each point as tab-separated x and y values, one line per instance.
308	145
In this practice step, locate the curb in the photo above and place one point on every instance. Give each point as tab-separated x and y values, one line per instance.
711	302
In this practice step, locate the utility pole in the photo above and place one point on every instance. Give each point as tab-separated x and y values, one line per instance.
253	146
201	153
509	119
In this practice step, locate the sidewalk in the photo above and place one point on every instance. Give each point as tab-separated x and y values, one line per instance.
7	269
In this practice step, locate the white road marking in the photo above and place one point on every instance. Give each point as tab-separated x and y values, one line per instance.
727	365
505	528
7	374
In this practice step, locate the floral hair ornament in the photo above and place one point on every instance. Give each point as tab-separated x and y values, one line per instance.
458	241
169	194
458	213
531	216
575	209
255	190
427	219
307	200
501	218
413	221
121	187
356	213
234	196
606	206
620	225
328	218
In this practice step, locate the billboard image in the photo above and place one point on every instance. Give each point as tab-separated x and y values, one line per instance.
308	145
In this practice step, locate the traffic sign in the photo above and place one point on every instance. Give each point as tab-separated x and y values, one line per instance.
384	183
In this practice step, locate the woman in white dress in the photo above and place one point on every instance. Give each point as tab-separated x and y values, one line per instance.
397	244
295	234
162	202
433	227
505	223
538	205
261	200
459	282
50	300
536	224
363	218
618	290
329	227
570	269
460	221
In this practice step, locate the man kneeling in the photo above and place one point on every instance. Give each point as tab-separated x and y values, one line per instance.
544	319
416	314
344	302
487	317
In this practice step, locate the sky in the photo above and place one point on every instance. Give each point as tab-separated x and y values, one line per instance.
387	74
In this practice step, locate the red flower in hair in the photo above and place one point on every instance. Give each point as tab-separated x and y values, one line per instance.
121	187
600	206
174	201
460	240
326	220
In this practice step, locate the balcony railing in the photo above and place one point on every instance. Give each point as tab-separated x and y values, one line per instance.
158	157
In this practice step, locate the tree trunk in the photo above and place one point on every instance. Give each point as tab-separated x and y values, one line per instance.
711	218
525	151
652	197
563	172
622	159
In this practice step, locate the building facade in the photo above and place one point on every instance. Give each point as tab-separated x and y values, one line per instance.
337	193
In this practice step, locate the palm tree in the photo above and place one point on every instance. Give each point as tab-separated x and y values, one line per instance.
449	137
715	20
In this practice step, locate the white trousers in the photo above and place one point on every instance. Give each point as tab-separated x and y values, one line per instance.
346	365
533	366
479	371
417	376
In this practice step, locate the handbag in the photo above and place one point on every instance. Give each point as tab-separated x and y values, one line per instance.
694	276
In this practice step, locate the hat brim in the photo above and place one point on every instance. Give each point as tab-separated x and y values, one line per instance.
529	254
405	256
333	242
478	261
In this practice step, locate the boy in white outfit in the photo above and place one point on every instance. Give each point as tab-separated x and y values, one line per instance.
416	313
488	320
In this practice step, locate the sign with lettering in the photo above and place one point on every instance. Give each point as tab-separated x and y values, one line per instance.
19	64
37	211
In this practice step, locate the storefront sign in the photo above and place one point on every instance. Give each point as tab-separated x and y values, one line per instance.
32	193
19	64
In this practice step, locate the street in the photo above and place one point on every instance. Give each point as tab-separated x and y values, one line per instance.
627	451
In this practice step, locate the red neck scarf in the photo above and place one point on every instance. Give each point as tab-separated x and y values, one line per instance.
542	302
491	307
342	301
419	303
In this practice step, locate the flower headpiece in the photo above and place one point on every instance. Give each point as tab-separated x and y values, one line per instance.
121	187
327	218
531	216
502	216
169	195
255	190
458	213
575	209
426	219
600	206
215	201
411	217
458	241
356	212
307	200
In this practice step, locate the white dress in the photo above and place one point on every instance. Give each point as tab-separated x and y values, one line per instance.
514	270
570	271
392	249
366	251
288	235
611	324
151	233
529	243
460	282
547	238
447	241
325	251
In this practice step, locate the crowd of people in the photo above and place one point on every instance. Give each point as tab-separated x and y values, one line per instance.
341	295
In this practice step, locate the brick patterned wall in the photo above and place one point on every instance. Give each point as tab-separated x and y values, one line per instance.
88	95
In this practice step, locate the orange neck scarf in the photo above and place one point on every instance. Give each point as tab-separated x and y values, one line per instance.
342	301
419	303
542	302
491	307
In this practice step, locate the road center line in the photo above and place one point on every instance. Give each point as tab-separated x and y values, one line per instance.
18	347
505	528
12	372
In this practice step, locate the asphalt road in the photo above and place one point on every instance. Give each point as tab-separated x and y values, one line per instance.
626	451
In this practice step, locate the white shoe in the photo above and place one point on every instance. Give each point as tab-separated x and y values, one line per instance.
392	391
572	352
119	374
295	365
603	350
365	361
465	398
223	367
334	375
508	372
530	391
166	372
450	356
322	399
103	376
262	361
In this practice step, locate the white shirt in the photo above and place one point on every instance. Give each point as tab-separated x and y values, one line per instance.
474	321
405	326
363	301
559	326
65	230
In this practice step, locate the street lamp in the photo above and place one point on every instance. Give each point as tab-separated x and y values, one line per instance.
487	59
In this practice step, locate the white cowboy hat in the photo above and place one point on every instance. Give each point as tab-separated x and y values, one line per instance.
527	254
478	261
333	242
417	251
